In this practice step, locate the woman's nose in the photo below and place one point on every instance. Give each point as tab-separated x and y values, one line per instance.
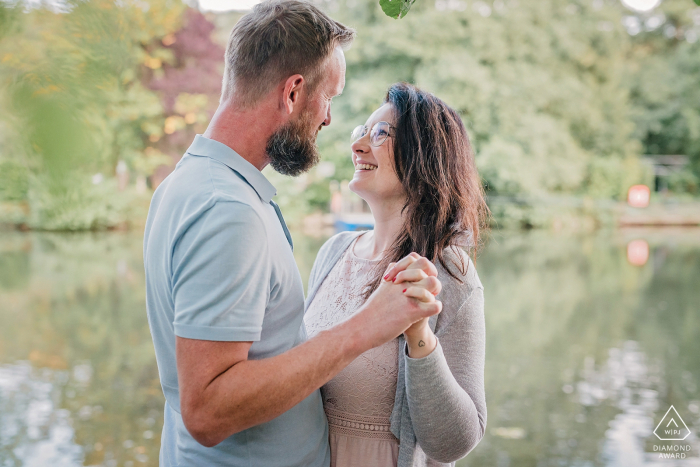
360	145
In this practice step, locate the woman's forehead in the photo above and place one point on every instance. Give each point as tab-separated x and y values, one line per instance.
382	114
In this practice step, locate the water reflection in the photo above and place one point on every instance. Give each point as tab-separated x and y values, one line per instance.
586	351
74	326
638	252
40	432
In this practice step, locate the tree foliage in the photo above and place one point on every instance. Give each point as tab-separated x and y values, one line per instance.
665	72
95	84
541	86
560	97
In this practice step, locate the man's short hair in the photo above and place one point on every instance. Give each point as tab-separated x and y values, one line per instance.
278	39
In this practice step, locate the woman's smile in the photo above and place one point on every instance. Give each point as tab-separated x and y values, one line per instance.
364	167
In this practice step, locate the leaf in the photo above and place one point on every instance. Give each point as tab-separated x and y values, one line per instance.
697	2
392	8
406	5
397	8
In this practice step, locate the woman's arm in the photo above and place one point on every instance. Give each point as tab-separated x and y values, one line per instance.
445	389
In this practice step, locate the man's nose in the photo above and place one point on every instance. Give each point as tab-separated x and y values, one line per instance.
327	121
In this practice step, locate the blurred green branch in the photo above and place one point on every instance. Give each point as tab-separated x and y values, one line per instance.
87	90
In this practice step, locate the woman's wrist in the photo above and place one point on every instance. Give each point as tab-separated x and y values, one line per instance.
420	344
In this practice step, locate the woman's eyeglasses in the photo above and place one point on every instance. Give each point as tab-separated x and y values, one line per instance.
377	136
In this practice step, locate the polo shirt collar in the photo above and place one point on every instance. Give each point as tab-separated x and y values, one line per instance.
206	147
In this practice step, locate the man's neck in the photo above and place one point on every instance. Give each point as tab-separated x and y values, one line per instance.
245	131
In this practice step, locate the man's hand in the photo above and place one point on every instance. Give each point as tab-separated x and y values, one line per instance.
396	305
410	262
222	392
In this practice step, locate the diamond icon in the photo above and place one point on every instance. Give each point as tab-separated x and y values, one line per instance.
672	427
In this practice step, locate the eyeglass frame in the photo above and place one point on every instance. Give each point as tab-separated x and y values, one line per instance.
388	134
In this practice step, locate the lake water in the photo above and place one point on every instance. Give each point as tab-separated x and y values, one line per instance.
590	340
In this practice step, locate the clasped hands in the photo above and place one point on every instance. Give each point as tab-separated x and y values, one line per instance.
418	276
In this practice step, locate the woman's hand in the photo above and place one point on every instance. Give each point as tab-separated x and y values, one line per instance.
420	339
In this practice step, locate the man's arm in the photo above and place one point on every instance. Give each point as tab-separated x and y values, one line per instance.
222	392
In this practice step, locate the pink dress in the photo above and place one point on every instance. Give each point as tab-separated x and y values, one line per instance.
359	400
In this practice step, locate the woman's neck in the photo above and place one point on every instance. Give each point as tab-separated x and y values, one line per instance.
387	225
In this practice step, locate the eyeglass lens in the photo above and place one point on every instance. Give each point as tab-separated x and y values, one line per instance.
379	133
358	132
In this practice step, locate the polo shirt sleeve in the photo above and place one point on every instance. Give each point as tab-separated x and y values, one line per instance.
221	275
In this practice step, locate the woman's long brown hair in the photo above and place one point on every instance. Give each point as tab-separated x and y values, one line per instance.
434	161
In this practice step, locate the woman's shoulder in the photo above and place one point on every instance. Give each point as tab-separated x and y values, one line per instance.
338	240
327	255
461	266
335	246
464	280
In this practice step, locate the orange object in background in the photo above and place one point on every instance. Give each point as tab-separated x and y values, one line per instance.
638	196
638	252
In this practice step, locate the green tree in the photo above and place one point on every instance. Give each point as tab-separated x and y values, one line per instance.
664	83
540	85
75	105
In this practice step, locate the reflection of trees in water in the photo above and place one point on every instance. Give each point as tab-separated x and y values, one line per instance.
584	349
558	311
81	317
73	306
35	432
634	384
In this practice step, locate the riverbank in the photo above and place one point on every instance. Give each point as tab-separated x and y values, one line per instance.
576	214
553	213
587	214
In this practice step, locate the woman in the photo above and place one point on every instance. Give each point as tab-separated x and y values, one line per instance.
418	400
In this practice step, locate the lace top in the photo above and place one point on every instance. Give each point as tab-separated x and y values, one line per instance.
360	399
452	421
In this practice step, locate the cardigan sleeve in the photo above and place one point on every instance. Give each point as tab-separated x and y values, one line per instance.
445	390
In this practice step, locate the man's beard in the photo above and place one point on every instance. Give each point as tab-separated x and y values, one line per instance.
292	148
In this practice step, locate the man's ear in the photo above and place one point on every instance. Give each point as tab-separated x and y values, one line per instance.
293	93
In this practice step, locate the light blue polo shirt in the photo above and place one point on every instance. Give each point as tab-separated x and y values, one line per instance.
219	267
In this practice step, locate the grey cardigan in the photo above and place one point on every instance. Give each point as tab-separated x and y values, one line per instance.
439	411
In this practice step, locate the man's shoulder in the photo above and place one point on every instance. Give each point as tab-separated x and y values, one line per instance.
198	183
210	178
188	204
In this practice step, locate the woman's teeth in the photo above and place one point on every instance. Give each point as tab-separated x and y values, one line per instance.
365	167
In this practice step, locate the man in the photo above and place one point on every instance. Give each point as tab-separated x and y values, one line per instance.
224	295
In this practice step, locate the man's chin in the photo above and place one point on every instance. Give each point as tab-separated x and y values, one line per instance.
289	153
294	168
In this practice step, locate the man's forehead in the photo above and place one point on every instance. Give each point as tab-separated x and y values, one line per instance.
339	67
341	85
